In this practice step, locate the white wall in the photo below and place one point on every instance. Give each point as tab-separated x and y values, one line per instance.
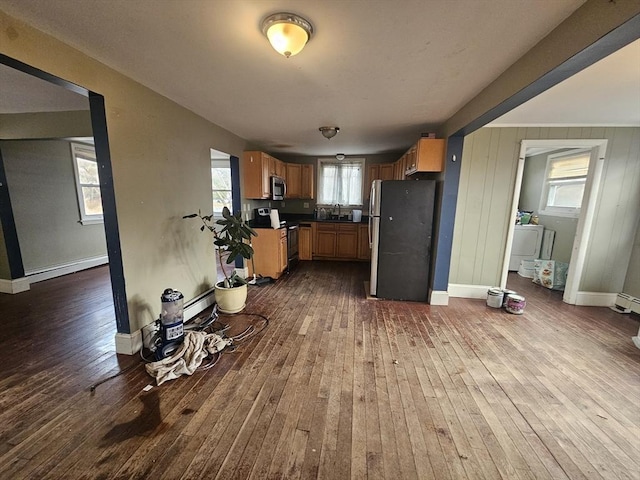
45	206
487	182
632	282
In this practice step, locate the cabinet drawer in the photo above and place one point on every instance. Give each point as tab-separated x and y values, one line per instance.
326	227
342	227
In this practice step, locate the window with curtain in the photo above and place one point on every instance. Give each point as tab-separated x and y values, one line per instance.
85	168
340	182
565	180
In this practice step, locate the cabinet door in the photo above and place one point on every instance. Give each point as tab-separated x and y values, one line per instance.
294	180
266	257
283	253
430	155
304	243
308	182
255	175
280	169
364	252
347	244
386	171
325	243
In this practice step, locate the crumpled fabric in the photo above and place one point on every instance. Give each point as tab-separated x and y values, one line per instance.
194	349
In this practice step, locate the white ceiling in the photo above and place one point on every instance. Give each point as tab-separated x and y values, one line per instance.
382	71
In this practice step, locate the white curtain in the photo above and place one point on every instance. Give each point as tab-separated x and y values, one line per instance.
340	182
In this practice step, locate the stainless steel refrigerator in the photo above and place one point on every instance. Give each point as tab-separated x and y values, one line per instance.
400	236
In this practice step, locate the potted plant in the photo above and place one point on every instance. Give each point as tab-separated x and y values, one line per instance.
231	293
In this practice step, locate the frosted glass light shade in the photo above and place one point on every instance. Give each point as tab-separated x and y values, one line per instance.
288	33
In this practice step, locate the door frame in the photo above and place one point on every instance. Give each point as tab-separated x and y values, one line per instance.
587	209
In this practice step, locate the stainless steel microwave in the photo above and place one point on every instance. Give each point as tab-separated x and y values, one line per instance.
278	188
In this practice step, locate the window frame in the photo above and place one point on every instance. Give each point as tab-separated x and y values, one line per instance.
218	163
332	160
86	152
555	211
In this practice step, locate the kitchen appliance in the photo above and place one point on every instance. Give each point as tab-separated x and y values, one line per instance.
262	218
400	237
292	246
278	188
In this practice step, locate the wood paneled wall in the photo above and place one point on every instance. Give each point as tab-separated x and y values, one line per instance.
485	196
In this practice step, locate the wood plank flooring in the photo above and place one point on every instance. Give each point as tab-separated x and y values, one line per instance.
336	387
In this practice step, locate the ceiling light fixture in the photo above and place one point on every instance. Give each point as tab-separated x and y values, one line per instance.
340	156
329	132
288	33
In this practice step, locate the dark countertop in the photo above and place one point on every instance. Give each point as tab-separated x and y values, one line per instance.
296	219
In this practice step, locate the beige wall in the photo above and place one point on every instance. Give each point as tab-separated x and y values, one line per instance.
486	190
46	125
161	171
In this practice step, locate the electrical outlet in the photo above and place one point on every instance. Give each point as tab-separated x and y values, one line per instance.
305	204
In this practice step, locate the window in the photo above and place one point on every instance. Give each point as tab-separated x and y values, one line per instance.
340	182
565	179
87	183
221	186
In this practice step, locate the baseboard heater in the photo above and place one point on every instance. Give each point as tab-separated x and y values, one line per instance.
626	304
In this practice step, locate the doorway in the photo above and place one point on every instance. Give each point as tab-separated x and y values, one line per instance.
56	96
580	244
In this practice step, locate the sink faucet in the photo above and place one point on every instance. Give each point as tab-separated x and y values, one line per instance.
334	209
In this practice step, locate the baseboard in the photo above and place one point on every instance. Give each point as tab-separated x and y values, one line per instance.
195	306
468	291
129	343
64	269
439	298
596	299
16	285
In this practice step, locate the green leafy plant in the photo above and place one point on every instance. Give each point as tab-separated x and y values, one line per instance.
233	237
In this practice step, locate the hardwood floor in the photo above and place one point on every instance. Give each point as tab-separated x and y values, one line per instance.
336	387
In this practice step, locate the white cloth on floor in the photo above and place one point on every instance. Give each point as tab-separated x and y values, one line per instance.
195	348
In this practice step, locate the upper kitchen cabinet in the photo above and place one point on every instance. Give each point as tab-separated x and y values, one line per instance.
294	180
425	156
300	180
386	171
256	173
308	182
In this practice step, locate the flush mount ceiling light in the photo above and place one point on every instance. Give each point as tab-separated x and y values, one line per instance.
288	33
329	132
340	156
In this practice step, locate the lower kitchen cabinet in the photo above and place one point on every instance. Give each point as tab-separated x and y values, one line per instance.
364	251
304	243
338	241
325	241
270	252
347	241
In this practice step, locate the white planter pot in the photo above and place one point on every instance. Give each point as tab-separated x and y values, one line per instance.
231	300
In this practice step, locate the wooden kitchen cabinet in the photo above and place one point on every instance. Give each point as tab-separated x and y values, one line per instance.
347	241
256	175
325	241
364	251
426	156
308	182
294	180
305	251
386	171
270	252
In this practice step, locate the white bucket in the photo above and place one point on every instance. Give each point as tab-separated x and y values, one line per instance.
357	215
515	304
494	297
